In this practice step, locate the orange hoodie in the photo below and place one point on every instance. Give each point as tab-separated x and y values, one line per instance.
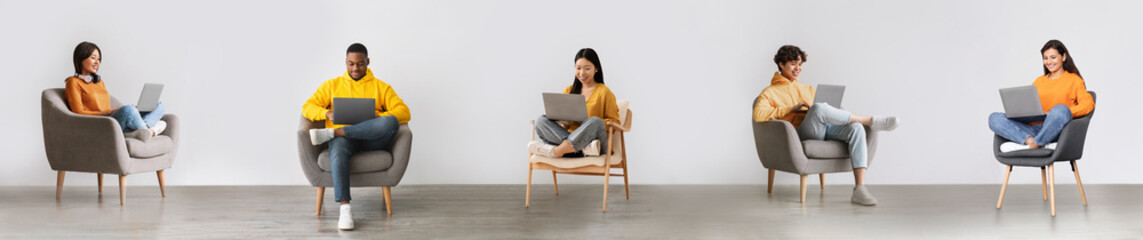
776	100
86	98
1068	90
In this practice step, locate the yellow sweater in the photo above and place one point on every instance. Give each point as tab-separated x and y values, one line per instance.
1068	90
776	100
86	98
600	104
388	103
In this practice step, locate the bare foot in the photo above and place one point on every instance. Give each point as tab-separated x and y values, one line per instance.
565	147
1031	142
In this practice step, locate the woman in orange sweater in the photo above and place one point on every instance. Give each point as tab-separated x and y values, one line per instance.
576	138
1063	95
87	95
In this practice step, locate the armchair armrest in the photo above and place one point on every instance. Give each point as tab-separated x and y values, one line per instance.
75	142
778	146
1072	138
307	152
401	147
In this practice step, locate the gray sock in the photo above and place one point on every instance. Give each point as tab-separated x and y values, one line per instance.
861	196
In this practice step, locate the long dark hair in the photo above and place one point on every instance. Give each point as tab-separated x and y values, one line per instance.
82	52
1069	62
589	54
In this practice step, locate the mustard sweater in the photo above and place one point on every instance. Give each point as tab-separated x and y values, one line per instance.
600	104
86	98
1068	90
776	100
388	103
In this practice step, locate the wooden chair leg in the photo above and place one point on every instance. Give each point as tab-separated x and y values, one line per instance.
122	190
1075	169
162	187
821	176
770	182
627	190
59	183
1052	187
1004	186
555	183
388	199
606	183
100	182
804	177
1044	181
528	192
320	197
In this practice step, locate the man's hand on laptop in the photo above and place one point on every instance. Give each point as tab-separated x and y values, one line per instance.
329	115
800	108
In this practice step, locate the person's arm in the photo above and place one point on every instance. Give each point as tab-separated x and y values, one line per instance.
1084	102
764	110
75	98
393	106
315	108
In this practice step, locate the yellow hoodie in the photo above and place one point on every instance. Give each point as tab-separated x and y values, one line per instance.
776	100
388	103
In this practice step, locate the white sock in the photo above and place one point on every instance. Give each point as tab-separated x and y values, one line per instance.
541	148
884	123
159	127
1012	146
320	135
592	149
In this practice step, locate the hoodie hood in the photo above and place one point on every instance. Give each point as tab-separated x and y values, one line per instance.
778	79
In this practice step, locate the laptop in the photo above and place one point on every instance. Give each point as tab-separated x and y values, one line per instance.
830	94
1022	103
149	99
565	107
348	111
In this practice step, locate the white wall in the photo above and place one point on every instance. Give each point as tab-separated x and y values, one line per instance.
237	73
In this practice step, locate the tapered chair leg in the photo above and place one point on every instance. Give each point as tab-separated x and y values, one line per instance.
821	176
59	183
1044	181
770	182
1075	169
100	182
388	199
162	187
626	189
606	182
804	177
528	191
1052	187
555	183
320	197
122	190
1004	187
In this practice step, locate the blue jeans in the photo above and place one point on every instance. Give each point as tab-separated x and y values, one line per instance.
591	129
1042	134
130	119
825	122
374	134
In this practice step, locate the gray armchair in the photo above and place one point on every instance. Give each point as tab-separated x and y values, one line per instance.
84	143
1069	147
780	149
383	168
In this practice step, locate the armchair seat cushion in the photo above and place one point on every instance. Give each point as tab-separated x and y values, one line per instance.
825	149
156	146
361	162
597	161
1027	153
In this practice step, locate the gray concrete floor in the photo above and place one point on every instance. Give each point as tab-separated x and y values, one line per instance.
497	212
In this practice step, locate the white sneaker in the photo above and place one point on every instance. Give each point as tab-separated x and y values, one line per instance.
884	123
320	135
592	148
345	220
1051	146
541	148
1012	146
159	127
141	134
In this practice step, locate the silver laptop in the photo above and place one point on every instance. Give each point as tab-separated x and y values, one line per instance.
348	111
149	99
830	94
565	107
1022	103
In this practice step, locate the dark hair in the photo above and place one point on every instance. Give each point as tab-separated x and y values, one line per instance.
357	48
788	53
1069	63
82	52
591	56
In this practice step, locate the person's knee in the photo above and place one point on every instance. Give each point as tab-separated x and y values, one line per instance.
857	131
1060	109
996	117
593	121
390	120
128	109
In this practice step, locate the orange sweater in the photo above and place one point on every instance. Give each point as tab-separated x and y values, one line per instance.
87	98
776	100
1068	90
600	104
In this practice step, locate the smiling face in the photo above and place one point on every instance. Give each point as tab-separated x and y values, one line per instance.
91	63
585	71
355	64
1053	60
791	69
